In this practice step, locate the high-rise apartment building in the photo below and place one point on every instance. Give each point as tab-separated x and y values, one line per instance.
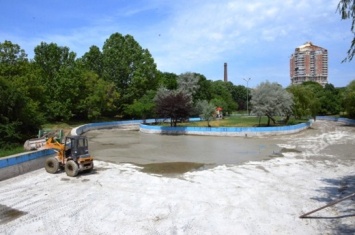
309	63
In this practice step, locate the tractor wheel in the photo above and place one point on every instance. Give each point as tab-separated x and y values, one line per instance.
71	168
51	165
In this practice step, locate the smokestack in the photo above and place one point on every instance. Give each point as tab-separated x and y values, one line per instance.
225	73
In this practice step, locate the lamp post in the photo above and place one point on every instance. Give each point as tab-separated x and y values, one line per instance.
247	80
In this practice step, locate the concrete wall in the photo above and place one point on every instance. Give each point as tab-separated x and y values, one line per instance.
346	121
18	164
117	124
226	131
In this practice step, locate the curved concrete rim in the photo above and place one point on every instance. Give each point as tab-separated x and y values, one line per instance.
213	131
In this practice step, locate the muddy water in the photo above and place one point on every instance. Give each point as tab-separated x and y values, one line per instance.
117	145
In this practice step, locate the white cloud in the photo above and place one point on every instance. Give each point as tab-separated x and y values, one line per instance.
198	35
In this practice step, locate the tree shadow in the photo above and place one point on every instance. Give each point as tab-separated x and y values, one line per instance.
338	189
347	125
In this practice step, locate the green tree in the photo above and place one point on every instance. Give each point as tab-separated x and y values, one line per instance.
92	60
222	97
346	8
130	67
204	92
20	115
143	107
60	78
168	80
97	97
349	99
305	101
13	60
270	99
330	100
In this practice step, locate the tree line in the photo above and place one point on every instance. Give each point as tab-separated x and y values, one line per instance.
121	81
117	81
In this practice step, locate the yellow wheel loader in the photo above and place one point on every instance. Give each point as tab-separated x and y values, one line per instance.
72	156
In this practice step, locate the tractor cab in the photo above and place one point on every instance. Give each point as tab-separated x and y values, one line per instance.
76	147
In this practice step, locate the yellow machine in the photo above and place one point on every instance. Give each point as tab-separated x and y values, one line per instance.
72	156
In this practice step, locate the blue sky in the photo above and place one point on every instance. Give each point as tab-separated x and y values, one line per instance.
256	38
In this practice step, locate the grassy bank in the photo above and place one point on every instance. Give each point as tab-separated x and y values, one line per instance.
241	121
14	150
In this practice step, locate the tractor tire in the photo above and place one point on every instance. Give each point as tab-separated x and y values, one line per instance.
71	168
51	165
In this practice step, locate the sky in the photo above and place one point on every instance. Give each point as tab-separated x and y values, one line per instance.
255	38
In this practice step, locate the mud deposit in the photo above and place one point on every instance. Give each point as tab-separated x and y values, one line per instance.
171	168
127	146
8	214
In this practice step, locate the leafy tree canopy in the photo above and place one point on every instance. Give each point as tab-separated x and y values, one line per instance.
305	101
346	8
349	99
222	97
173	104
130	67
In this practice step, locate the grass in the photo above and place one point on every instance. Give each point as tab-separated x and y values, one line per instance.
240	121
66	127
15	150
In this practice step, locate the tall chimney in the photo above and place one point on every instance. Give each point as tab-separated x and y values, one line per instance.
225	73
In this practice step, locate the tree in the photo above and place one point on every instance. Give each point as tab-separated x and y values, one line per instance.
204	91
222	97
270	99
305	101
20	94
206	110
92	60
130	67
168	80
61	80
20	116
326	100
188	82
173	104
346	8
239	94
97	97
330	100
349	99
143	107
12	59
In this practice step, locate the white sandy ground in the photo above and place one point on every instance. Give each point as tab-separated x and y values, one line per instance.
254	198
